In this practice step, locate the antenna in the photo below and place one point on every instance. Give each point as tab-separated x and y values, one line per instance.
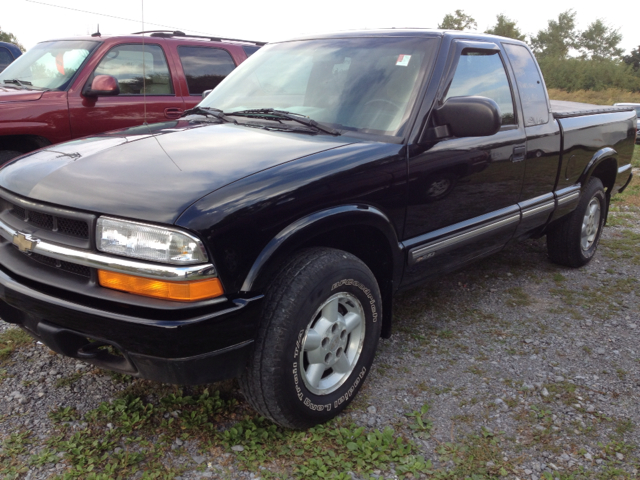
144	72
97	33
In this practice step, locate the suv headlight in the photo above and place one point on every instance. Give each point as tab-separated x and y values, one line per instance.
148	242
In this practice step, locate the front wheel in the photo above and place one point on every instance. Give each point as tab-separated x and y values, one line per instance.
317	339
574	240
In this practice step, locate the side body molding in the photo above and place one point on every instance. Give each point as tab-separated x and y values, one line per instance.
306	228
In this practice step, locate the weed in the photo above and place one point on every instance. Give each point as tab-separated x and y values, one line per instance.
445	334
475	370
63	414
624	426
422	426
519	297
558	277
68	381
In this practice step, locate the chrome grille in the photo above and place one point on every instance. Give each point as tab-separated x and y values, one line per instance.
54	223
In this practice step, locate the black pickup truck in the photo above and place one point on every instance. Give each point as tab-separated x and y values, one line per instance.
263	235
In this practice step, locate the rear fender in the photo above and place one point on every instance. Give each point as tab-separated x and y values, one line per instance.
604	164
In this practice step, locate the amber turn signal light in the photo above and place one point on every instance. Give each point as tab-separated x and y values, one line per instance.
188	291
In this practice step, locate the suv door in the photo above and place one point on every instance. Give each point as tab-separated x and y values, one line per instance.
463	192
147	93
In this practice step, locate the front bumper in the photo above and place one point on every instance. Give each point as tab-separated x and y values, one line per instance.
210	345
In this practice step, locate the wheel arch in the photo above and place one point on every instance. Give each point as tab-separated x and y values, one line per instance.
361	230
603	165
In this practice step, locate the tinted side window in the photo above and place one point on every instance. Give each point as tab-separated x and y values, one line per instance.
484	75
205	67
250	50
136	67
530	86
5	58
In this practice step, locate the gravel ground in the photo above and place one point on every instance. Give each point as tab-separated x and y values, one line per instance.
527	370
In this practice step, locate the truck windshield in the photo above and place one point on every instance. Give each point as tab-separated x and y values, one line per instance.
366	85
48	65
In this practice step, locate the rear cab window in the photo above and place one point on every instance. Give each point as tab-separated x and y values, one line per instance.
204	67
531	89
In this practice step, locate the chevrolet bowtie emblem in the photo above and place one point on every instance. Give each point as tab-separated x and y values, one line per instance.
24	242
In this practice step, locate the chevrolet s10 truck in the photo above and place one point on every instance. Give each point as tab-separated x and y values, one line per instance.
263	235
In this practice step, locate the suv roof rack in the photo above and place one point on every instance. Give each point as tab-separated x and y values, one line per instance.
178	33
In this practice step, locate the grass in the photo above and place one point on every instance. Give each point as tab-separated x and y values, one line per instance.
623	247
11	340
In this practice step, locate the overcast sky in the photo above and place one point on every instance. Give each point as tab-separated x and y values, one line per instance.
32	21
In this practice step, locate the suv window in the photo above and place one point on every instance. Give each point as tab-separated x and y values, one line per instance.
137	67
5	58
204	67
530	86
250	50
483	74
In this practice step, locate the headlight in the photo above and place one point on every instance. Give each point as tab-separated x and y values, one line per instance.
148	242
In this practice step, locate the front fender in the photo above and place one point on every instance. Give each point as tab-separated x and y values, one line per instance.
305	229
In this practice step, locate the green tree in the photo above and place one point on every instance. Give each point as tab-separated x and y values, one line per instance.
505	27
558	38
599	42
633	59
11	38
458	21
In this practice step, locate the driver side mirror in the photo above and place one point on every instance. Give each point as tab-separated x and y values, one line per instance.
102	86
472	116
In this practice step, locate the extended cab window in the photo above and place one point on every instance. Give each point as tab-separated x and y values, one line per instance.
530	86
137	67
205	67
483	74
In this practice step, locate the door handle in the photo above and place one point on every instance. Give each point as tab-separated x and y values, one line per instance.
519	153
172	112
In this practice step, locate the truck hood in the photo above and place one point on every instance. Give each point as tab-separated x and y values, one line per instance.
8	94
153	173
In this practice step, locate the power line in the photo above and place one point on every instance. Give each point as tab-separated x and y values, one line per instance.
112	16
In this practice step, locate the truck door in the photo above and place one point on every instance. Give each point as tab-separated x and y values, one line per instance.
463	192
147	92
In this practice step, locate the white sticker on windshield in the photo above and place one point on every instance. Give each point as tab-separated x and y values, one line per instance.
403	60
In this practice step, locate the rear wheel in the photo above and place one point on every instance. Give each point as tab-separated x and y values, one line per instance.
574	240
318	335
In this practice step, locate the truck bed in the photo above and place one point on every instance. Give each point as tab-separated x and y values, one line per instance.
565	109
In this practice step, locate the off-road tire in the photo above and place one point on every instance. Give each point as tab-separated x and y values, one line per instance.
573	241
278	380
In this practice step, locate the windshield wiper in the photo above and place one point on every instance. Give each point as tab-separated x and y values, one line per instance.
270	114
208	112
21	83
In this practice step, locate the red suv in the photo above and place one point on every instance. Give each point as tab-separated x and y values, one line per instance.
73	87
